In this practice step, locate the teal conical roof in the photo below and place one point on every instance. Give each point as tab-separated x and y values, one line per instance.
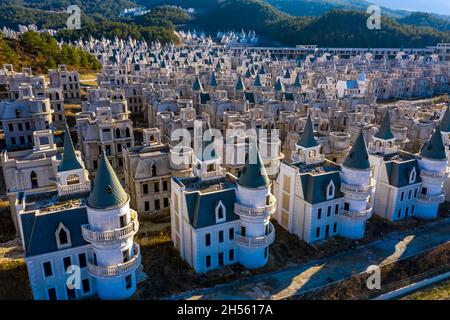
257	82
213	81
358	158
279	85
69	159
240	85
197	85
307	138
254	175
298	82
262	70
445	122
107	191
287	74
385	132
434	148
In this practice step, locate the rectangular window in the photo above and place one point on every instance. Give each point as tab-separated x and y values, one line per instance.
409	194
207	239
86	286
335	227
319	214
147	206
208	261
399	213
67	262
346	206
231	234
220	259
156	186
52	294
166	202
165	186
243	231
48	271
231	255
71	294
157	204
287	184
336	209
10	127
128	282
266	252
27	125
220	236
119	147
415	193
412	209
402	195
82	260
318	232
329	211
20	126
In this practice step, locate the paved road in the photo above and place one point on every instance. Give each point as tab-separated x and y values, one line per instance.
287	282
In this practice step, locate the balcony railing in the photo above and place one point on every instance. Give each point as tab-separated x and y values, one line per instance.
433	174
258	242
439	198
380	149
269	209
118	269
358	214
112	235
74	188
212	174
358	189
309	160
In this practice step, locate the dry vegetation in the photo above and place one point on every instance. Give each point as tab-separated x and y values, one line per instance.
439	291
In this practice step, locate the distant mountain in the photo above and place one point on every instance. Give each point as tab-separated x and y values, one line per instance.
320	7
422	19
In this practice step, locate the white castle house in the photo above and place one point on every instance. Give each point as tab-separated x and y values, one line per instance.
74	226
318	198
220	220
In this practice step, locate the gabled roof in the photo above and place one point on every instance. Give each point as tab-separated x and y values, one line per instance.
445	122
254	175
434	148
69	159
107	191
398	173
307	139
385	132
358	158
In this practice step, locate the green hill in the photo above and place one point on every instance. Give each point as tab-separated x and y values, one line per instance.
422	19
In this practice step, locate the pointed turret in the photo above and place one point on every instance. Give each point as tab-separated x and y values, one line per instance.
69	159
254	175
385	132
197	85
358	158
213	81
298	82
240	85
434	148
444	125
279	86
307	139
257	82
107	191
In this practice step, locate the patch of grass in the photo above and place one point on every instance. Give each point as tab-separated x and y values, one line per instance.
439	291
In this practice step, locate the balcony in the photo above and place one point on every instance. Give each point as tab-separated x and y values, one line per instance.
213	174
383	149
358	189
434	175
309	160
259	242
74	188
118	269
112	235
358	214
439	198
241	209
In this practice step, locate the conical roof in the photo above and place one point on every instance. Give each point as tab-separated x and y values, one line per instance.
385	132
279	85
69	159
240	84
434	148
445	122
197	85
307	139
213	81
107	191
257	82
254	175
358	158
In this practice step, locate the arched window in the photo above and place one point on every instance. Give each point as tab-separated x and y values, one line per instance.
117	133
62	236
57	95
153	170
34	180
412	176
330	190
220	212
73	179
127	132
312	153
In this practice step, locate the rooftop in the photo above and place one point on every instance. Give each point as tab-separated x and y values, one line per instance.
316	169
196	184
48	202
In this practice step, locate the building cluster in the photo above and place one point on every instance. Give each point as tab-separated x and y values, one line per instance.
317	142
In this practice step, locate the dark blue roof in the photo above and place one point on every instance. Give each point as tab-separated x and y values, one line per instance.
358	158
434	148
385	132
39	230
307	139
201	207
69	159
399	172
315	186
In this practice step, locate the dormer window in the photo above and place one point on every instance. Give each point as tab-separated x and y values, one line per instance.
220	212
330	190
412	176
62	235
